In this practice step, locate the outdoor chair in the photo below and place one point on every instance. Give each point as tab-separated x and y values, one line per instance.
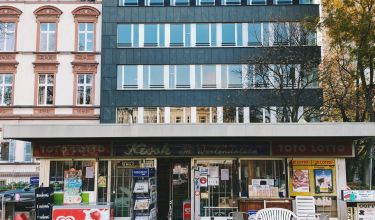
275	214
305	209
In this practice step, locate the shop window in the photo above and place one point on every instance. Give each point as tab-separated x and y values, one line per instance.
206	115
127	115
263	179
58	170
180	115
153	115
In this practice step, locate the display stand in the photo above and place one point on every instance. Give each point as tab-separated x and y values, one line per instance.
144	194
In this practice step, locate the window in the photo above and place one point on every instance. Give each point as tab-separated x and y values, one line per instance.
282	2
205	2
3	183
205	35
58	168
47	37
127	77
228	34
179	35
281	34
254	34
6	89
45	89
180	115
179	76
288	74
127	115
233	114
180	2
260	115
86	37
206	115
153	35
230	2
231	76
266	176
309	77
205	76
256	2
154	2
7	36
127	35
259	76
12	151
128	2
4	151
27	151
84	89
302	2
153	77
283	114
153	115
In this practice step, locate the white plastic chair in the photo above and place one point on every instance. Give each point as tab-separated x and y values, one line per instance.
305	208
275	214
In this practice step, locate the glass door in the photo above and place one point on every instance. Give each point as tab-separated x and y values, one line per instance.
180	187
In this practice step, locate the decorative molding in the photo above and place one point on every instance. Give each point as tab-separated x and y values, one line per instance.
46	57
40	111
8	67
83	111
45	67
85	67
9	14
6	111
8	62
86	11
47	12
84	58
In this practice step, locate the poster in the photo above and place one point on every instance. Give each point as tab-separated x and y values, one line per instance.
323	181
102	181
214	171
72	186
224	174
366	211
81	214
300	180
89	172
213	181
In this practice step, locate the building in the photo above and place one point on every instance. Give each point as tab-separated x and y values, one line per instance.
49	71
182	94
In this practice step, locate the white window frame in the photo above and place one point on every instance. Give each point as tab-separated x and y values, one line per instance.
86	33
48	34
85	85
8	32
46	85
3	86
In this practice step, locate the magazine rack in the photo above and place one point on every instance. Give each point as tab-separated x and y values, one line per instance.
144	194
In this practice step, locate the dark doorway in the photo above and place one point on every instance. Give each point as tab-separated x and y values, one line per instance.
173	179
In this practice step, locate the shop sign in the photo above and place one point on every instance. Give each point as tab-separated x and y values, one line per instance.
366	211
186	210
313	162
203	181
358	195
34	180
143	172
213	181
81	214
71	150
259	148
312	148
43	203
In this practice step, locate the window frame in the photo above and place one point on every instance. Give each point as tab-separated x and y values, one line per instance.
235	43
48	32
173	3
158	36
86	33
45	85
184	37
123	86
199	3
134	37
210	35
122	3
3	86
148	74
173	75
5	32
148	3
85	85
226	2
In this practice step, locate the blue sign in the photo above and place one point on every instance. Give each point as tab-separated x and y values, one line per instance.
34	180
143	172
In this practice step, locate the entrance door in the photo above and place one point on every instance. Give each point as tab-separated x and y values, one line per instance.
173	179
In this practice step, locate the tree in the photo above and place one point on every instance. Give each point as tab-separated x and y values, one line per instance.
291	75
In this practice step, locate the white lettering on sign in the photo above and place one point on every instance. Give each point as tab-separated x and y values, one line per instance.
65	218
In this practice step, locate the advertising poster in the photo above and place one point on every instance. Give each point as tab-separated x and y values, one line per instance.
300	180
366	211
72	186
81	214
323	181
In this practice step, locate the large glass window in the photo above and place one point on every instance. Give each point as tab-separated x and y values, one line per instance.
153	35
84	89
127	77
263	178
153	77
128	2
230	2
228	34
179	76
283	114
59	168
205	35
205	76
45	89
231	76
47	37
258	76
281	33
27	151
86	37
206	115
180	2
153	115
6	89
254	34
180	115
127	115
179	35
233	114
260	115
205	2
7	36
282	2
256	2
127	35
154	2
